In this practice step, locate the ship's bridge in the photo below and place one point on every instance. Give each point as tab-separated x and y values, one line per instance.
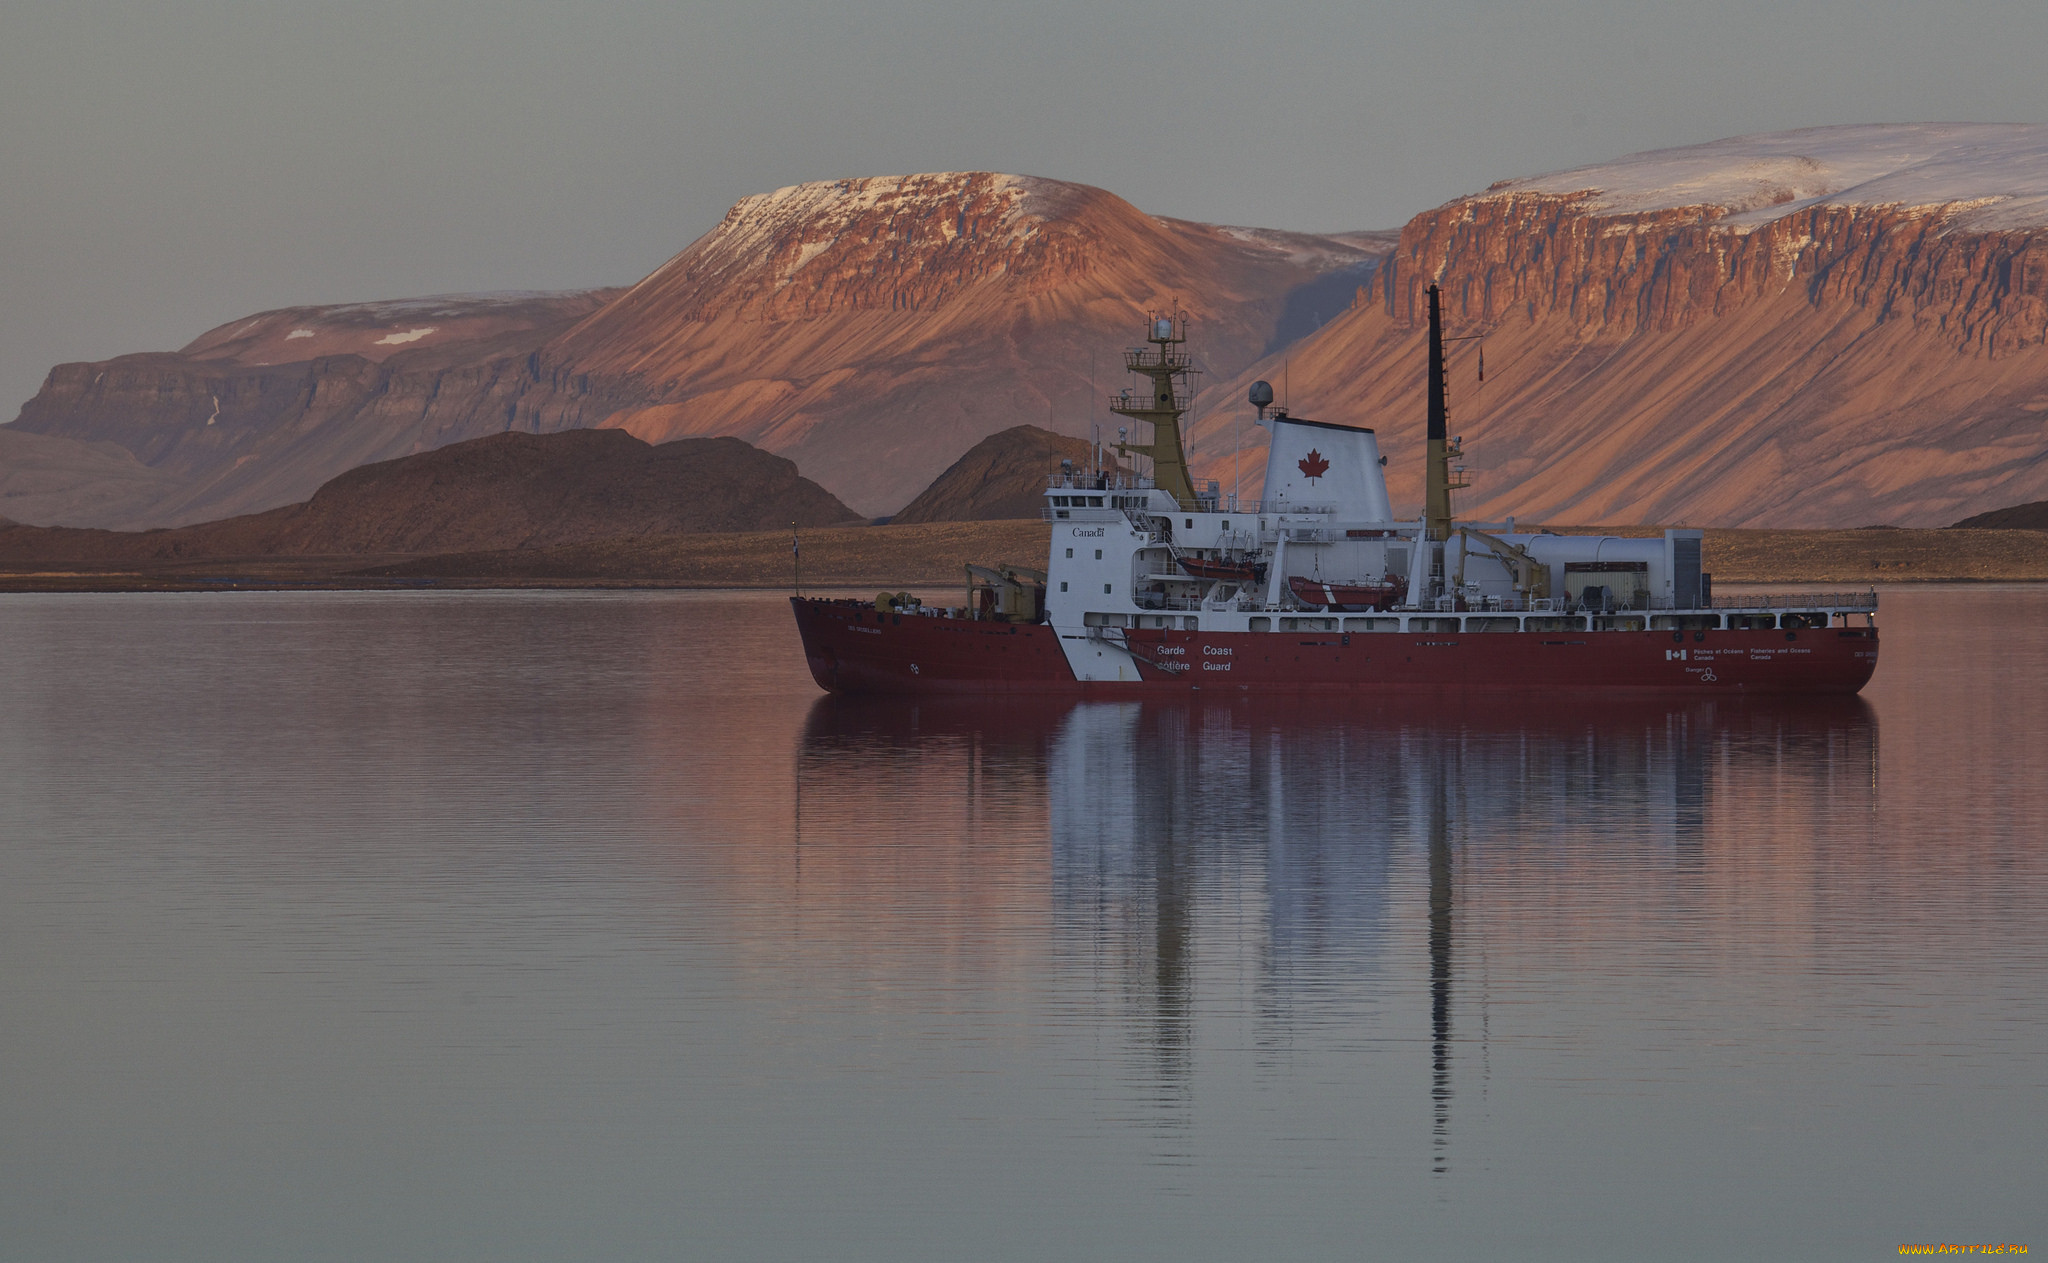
1071	491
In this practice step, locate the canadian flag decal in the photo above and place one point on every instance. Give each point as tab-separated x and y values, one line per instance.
1313	465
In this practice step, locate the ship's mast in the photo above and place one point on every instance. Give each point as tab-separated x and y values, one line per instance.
1437	507
1167	366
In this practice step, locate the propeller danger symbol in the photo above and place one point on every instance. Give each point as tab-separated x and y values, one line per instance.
1313	465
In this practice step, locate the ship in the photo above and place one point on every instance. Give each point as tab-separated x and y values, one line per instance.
1154	585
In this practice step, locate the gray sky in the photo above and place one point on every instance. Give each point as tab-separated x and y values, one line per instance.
166	167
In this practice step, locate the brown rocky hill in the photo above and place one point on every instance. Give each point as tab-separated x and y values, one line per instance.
1819	328
48	478
506	491
262	411
2015	517
869	329
1001	477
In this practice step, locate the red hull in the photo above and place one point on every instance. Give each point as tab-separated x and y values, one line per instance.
853	649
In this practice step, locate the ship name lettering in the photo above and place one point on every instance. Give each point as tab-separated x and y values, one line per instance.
1079	533
1215	652
1216	666
1173	648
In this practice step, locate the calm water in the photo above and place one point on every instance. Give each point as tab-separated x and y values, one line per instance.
510	926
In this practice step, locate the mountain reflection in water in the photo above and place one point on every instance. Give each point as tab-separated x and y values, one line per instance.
1208	853
567	925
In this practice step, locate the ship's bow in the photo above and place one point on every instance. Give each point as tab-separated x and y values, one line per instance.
818	653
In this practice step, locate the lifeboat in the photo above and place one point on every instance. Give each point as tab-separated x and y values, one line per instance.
1228	571
1345	596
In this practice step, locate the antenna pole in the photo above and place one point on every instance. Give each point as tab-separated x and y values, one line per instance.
796	557
1094	427
1237	464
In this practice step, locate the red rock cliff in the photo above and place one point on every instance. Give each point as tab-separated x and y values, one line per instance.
1828	328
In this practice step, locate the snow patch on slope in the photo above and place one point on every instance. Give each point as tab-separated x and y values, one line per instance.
1322	252
793	226
1986	176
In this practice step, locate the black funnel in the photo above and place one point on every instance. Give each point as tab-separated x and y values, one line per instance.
1439	408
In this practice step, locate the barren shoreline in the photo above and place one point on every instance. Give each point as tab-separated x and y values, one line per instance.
928	554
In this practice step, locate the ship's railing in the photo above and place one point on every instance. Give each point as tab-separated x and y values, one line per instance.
1511	603
1105	481
1215	500
1154	601
1866	600
1514	603
1140	358
1299	532
1146	401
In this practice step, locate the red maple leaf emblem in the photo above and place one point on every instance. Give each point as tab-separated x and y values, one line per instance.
1313	465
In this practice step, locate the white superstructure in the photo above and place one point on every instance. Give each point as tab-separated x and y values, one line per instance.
1118	547
1128	554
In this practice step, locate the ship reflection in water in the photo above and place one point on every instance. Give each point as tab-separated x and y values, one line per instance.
1239	876
545	925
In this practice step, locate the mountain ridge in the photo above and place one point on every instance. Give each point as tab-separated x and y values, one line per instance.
870	329
1813	328
1657	358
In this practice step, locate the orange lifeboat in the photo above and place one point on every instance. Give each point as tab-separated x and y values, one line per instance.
1345	596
